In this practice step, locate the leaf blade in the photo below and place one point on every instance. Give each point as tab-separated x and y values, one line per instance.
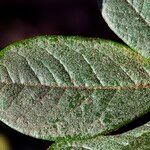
130	20
52	87
131	140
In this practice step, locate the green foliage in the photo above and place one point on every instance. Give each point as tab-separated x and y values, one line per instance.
130	20
76	91
55	87
137	139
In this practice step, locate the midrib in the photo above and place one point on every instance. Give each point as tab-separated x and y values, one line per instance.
82	87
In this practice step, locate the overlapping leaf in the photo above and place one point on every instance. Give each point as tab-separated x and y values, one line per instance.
130	20
139	138
53	87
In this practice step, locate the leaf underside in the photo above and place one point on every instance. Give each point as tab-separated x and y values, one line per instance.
130	20
53	87
137	139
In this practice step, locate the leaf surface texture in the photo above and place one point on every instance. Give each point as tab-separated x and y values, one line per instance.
130	20
138	138
53	87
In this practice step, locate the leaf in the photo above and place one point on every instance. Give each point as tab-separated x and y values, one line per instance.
130	20
136	139
54	87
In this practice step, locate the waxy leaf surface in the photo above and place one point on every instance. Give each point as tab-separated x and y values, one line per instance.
130	20
53	87
137	139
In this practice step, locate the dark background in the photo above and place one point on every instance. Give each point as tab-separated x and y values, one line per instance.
20	19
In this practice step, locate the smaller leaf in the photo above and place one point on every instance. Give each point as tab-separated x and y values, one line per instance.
130	20
138	138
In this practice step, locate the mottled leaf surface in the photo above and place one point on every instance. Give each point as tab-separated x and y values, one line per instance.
130	20
53	87
136	139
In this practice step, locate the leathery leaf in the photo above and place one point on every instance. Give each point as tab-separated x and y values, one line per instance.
130	20
54	87
138	138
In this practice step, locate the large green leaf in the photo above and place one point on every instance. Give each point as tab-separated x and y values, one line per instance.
53	87
130	20
137	139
